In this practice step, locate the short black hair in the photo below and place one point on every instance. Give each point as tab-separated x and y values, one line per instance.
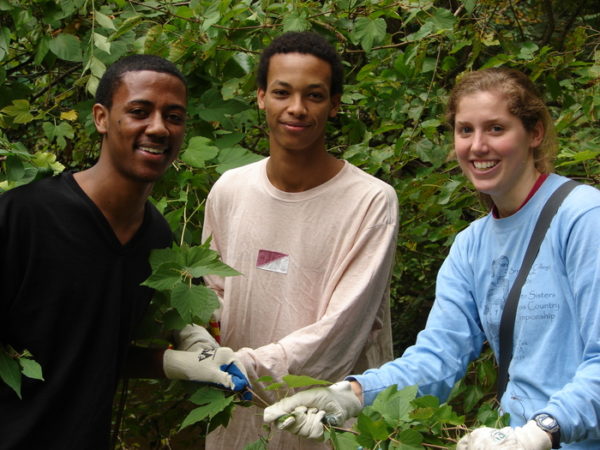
306	42
111	79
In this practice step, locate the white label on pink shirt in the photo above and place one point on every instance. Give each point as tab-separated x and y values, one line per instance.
272	261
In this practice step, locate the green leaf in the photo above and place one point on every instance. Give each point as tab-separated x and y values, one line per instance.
296	22
31	368
67	47
20	111
443	19
369	31
10	372
410	439
102	42
298	381
126	26
209	409
4	41
164	277
104	21
230	158
194	302
395	405
198	151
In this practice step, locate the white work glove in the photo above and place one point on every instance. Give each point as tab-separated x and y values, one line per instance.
193	337
527	437
217	366
336	404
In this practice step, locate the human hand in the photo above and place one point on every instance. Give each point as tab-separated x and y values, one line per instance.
193	337
336	404
527	437
217	366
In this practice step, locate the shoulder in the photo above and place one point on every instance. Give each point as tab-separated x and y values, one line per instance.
582	202
35	194
360	180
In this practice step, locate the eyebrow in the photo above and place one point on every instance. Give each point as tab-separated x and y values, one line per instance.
310	86
149	103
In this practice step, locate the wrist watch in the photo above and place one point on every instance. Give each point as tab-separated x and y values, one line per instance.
549	424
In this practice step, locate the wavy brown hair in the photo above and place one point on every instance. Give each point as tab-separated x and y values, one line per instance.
524	101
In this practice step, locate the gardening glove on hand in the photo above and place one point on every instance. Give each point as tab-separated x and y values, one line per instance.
194	338
527	437
336	403
217	366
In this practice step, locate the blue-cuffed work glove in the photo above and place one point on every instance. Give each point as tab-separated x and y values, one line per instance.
218	366
527	437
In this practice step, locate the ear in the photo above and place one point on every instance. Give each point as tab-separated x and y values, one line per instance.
260	97
537	134
336	101
100	114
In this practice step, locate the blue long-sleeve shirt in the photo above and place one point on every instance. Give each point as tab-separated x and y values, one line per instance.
556	347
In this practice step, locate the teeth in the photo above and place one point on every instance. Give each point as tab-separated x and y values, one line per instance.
154	151
484	164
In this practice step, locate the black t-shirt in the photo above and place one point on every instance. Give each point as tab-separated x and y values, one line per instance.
70	293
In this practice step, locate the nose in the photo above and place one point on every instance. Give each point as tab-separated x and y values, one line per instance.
296	106
156	125
478	142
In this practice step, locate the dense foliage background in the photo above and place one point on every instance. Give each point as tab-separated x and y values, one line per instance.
401	58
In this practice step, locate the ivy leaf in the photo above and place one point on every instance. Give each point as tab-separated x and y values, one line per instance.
198	151
10	372
31	368
194	301
369	31
67	47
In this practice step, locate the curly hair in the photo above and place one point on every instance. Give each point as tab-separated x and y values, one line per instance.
111	79
306	42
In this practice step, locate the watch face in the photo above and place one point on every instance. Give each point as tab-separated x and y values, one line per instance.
548	422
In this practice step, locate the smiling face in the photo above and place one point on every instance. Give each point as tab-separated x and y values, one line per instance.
494	149
297	102
144	128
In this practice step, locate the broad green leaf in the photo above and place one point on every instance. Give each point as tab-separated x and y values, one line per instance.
104	21
20	111
15	170
410	440
469	5
102	42
125	26
297	381
31	368
395	405
230	158
443	19
4	41
369	31
97	67
207	411
198	151
10	372
165	277
296	22
219	110
67	47
194	301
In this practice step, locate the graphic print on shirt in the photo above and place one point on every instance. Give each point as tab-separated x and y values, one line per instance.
496	295
272	261
539	306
